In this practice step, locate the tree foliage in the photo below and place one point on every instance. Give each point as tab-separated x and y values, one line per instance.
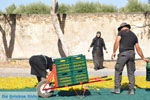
10	9
78	7
64	8
92	7
33	8
135	6
1	12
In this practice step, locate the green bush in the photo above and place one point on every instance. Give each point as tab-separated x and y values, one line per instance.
1	12
20	10
37	8
107	8
135	6
84	7
78	7
33	8
146	7
92	7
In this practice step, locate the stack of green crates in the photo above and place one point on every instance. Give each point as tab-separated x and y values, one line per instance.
148	71
79	69
63	70
71	70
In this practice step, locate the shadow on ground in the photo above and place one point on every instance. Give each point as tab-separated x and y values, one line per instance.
92	94
74	93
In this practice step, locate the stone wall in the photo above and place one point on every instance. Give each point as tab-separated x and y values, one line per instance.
35	33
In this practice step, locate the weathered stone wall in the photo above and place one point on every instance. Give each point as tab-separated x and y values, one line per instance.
35	33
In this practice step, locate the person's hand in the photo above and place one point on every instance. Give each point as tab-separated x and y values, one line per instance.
113	56
89	50
106	51
48	73
146	59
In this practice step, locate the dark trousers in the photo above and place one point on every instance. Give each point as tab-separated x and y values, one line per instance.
125	58
98	59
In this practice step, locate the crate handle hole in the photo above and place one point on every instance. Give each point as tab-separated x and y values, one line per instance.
64	74
80	71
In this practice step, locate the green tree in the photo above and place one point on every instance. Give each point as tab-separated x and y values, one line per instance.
20	10
79	7
37	8
10	9
1	12
84	7
64	8
135	6
146	7
33	8
107	8
92	7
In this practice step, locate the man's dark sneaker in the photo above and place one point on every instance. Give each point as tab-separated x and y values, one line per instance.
101	68
131	91
116	90
96	69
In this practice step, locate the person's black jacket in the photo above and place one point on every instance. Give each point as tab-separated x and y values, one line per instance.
39	65
95	43
99	43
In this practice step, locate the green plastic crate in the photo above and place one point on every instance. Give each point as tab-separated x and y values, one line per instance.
78	62
60	82
80	76
77	58
148	71
65	60
81	79
63	74
71	70
148	65
64	68
63	64
60	71
64	78
148	78
80	71
79	66
65	82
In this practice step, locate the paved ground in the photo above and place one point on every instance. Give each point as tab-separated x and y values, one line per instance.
92	72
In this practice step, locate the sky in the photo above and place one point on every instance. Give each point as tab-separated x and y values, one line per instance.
118	3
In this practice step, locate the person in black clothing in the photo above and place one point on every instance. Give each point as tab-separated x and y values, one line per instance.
39	64
126	40
98	45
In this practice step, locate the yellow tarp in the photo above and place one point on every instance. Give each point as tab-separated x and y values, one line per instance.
22	82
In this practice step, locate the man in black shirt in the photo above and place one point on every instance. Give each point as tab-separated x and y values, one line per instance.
126	40
98	45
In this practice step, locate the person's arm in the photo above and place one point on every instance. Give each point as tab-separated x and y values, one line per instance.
105	47
92	44
116	45
140	53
